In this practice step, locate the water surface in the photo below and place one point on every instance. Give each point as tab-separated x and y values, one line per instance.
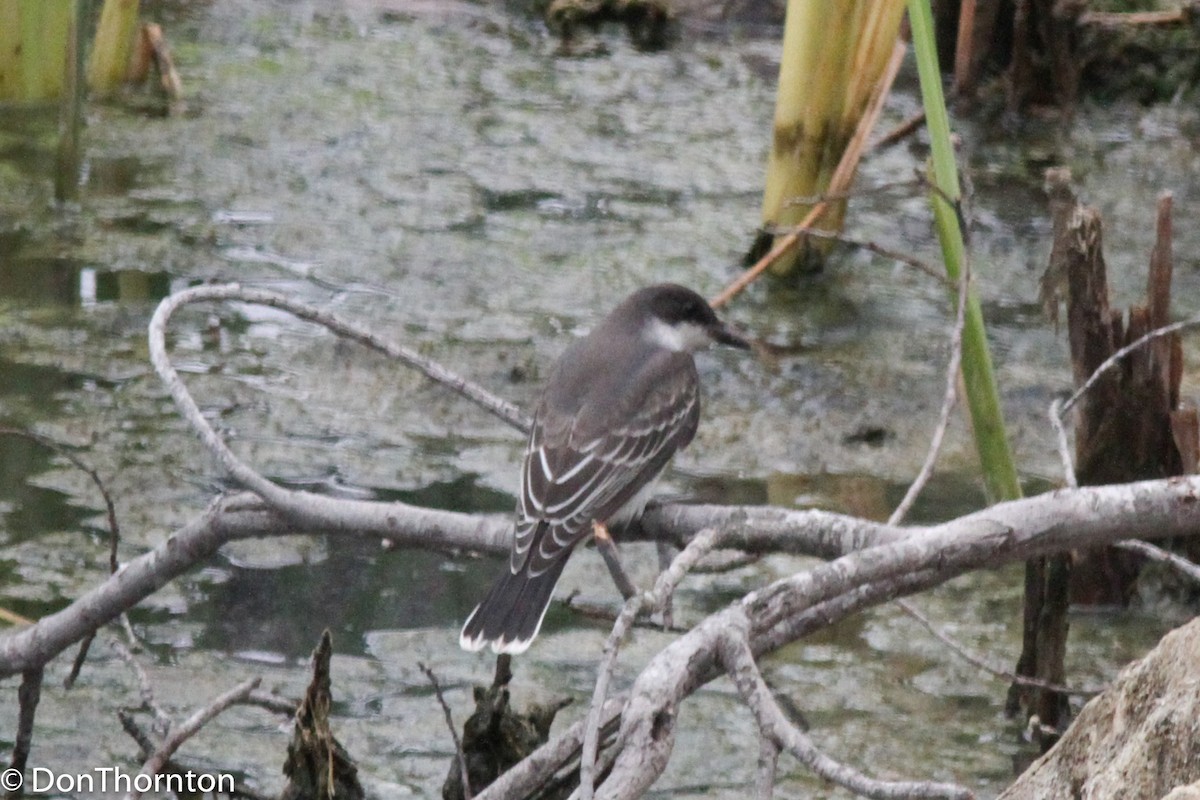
453	180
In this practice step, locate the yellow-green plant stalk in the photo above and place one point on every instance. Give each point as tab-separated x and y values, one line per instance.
33	48
833	55
983	400
108	65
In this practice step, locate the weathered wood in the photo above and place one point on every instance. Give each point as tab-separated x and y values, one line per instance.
317	766
495	738
1128	427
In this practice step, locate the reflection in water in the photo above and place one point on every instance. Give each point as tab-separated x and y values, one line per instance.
356	588
28	511
65	282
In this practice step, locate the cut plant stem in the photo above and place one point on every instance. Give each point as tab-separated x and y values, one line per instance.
833	57
33	48
109	63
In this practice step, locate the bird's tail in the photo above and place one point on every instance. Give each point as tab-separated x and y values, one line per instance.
511	615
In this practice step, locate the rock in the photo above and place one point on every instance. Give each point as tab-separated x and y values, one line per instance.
1138	739
1185	792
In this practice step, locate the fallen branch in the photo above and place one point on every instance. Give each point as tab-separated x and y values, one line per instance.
1176	562
733	650
188	728
790	608
656	598
28	696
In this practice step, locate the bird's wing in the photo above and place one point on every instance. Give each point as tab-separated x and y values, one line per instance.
586	470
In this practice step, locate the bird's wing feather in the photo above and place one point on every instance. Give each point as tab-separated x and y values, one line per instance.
586	470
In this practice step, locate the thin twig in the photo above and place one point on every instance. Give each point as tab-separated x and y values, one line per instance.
459	755
146	746
664	586
850	194
904	129
949	398
914	490
162	720
595	609
733	649
189	727
114	530
272	702
877	249
1059	408
997	672
239	471
80	656
1119	19
612	560
1148	550
665	553
28	696
1064	447
144	741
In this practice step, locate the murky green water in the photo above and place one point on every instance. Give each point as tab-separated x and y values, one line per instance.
451	179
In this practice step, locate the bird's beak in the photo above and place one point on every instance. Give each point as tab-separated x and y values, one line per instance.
723	333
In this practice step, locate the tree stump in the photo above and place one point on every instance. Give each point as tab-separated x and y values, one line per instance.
1129	426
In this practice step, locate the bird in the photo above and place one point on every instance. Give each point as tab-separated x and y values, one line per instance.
617	405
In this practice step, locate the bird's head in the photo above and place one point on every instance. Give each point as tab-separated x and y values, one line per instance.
676	318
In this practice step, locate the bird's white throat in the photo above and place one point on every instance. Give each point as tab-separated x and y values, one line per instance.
681	337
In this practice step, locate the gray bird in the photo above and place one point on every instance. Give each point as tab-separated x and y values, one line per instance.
618	404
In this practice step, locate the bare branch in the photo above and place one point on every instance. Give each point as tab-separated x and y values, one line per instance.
768	762
997	672
458	748
28	696
1088	516
664	587
289	502
162	720
1059	408
734	652
158	759
792	607
949	398
1178	562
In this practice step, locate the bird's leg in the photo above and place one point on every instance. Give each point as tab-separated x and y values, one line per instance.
612	559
